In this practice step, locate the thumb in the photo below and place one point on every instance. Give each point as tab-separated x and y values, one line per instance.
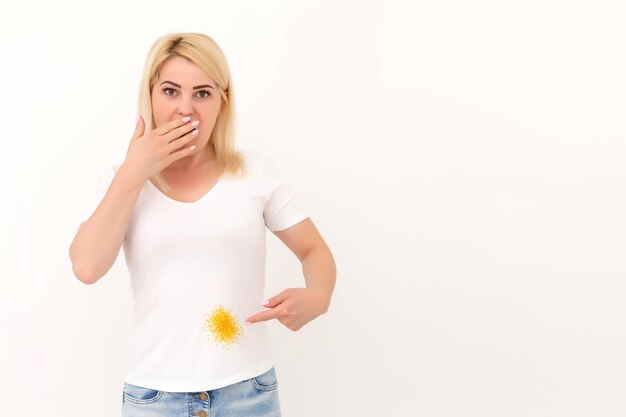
139	128
277	299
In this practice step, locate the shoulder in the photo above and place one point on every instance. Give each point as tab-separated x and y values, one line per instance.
263	165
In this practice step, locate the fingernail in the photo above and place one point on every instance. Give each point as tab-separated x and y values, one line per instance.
265	302
186	119
248	322
137	116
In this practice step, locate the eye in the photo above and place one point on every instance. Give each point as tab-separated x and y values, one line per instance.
165	90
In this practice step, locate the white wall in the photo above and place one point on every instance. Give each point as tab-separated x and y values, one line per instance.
463	160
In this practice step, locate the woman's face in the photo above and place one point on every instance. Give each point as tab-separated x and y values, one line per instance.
174	96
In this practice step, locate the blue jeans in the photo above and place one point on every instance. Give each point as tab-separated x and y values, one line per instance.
254	397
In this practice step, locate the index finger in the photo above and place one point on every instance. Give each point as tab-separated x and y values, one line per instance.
264	315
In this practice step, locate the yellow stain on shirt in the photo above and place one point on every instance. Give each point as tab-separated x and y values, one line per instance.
223	327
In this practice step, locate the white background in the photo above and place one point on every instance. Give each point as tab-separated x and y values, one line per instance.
464	161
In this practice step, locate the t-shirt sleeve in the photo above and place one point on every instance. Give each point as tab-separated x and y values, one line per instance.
283	208
98	191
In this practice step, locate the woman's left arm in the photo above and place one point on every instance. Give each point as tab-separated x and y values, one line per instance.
294	307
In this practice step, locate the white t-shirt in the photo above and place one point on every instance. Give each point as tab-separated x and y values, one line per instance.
197	272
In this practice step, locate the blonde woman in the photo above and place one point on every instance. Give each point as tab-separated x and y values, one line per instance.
190	210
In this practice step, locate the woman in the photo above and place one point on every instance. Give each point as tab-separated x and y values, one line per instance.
191	211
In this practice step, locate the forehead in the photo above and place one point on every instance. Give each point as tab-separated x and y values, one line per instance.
184	72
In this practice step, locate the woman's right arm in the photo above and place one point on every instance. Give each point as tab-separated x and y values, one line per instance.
99	239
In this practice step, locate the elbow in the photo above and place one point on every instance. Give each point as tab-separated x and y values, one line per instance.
84	275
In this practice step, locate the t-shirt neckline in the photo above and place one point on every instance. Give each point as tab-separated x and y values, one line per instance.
187	203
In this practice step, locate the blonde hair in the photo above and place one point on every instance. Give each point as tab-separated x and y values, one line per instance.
204	52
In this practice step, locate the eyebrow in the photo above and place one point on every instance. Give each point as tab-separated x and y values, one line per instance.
196	87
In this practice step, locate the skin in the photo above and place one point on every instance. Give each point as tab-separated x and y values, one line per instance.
191	176
170	102
295	307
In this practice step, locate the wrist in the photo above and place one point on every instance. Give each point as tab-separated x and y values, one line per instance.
130	177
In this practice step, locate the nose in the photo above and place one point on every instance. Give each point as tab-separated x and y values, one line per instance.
185	107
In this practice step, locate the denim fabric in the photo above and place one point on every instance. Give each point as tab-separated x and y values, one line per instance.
254	397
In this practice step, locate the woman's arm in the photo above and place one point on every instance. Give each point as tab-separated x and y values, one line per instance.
295	307
320	273
99	239
318	264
